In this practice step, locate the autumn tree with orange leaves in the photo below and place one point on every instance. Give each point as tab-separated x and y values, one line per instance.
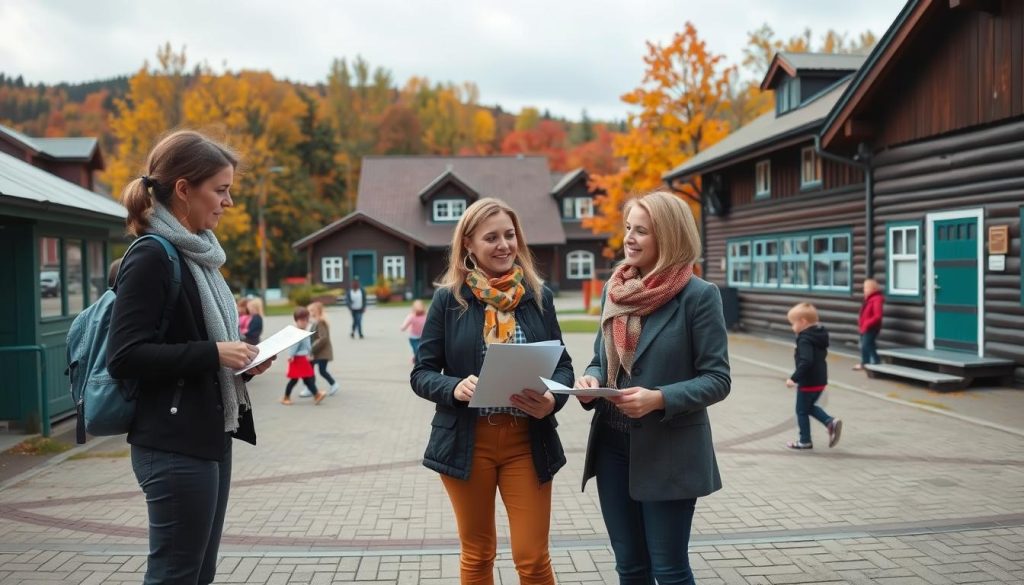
682	105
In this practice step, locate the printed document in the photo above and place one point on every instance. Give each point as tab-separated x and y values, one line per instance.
558	388
510	367
275	344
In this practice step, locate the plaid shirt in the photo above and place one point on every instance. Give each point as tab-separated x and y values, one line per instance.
519	337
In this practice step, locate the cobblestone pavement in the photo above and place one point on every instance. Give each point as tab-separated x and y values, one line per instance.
923	488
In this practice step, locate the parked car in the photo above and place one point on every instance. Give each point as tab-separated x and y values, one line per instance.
49	283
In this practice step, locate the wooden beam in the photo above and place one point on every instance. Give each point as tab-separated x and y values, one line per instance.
989	6
858	129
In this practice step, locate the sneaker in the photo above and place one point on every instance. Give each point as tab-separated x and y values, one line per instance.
319	398
835	429
286	401
798	445
305	393
352	335
334	389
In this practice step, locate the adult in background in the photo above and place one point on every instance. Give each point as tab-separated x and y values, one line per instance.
663	343
190	404
491	293
355	300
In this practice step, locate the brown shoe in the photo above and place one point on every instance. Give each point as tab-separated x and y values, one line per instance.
286	401
319	397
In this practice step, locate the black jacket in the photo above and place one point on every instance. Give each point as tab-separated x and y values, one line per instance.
450	350
811	351
181	371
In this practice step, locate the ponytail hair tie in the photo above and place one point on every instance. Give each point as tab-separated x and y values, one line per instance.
147	182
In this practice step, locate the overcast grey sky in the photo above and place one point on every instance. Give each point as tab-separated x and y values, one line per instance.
561	55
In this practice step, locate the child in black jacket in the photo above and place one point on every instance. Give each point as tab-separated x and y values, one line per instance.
811	375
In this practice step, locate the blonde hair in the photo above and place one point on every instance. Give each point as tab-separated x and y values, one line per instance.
805	311
675	230
316	310
184	154
475	214
871	284
418	307
256	307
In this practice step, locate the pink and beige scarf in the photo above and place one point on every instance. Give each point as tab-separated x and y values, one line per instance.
629	299
500	297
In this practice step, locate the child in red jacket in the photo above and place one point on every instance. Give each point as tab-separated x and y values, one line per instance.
870	323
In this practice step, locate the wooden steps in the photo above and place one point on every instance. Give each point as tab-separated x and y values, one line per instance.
935	380
941	369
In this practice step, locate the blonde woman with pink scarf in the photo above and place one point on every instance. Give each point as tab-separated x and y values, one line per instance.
663	343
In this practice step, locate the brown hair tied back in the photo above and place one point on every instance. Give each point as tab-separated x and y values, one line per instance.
184	154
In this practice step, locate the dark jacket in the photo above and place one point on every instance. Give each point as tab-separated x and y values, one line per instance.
181	371
871	313
683	351
255	330
811	351
348	299
451	349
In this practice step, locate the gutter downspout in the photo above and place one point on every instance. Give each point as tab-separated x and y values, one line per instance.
869	208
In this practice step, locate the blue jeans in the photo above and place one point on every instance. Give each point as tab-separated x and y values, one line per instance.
186	498
868	348
806	407
357	322
322	366
414	343
650	539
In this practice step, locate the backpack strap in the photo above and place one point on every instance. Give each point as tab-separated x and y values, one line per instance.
175	290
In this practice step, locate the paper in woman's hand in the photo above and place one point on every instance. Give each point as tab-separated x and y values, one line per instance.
557	388
275	344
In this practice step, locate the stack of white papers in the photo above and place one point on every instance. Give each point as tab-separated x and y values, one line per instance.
275	344
509	368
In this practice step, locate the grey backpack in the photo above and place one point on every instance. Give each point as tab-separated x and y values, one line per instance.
106	406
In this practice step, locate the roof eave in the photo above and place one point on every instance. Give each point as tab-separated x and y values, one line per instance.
786	139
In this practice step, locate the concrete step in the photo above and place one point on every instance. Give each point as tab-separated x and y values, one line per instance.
935	380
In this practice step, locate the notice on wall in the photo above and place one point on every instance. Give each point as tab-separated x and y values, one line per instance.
998	239
997	263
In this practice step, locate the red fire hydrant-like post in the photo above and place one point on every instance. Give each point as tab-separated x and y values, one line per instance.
586	296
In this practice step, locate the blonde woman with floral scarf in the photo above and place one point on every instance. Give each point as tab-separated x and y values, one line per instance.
663	343
491	293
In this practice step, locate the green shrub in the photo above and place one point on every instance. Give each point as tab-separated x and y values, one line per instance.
301	295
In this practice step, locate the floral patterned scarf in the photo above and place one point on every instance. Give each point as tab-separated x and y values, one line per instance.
500	297
630	298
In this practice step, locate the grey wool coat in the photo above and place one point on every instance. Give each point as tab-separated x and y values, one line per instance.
683	351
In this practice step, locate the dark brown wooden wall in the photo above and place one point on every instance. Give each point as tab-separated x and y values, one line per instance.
980	169
968	72
739	178
360	236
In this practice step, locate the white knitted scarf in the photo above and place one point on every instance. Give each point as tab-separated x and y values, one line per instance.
204	257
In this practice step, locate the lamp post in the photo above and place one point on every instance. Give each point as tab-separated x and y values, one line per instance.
263	230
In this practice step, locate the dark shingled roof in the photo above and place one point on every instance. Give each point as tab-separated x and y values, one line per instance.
389	189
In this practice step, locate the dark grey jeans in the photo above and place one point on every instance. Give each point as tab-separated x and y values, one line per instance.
186	498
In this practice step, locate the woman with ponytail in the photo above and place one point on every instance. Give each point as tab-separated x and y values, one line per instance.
190	404
491	293
663	343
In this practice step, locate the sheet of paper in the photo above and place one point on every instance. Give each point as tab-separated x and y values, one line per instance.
558	388
510	367
275	344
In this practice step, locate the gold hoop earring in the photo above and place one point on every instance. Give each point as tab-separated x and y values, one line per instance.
465	263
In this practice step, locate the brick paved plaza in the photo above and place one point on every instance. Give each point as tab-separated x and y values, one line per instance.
923	489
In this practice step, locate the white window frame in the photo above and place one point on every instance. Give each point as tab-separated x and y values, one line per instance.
452	209
568	208
763	179
910	254
332	269
394	267
810	168
579	265
584	207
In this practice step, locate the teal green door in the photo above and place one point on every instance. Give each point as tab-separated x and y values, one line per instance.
362	265
955	245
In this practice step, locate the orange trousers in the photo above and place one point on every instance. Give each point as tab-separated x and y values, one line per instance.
502	461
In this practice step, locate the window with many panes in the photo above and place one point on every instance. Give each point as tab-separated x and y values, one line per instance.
810	168
904	260
394	267
449	209
580	265
817	261
763	179
577	207
332	269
